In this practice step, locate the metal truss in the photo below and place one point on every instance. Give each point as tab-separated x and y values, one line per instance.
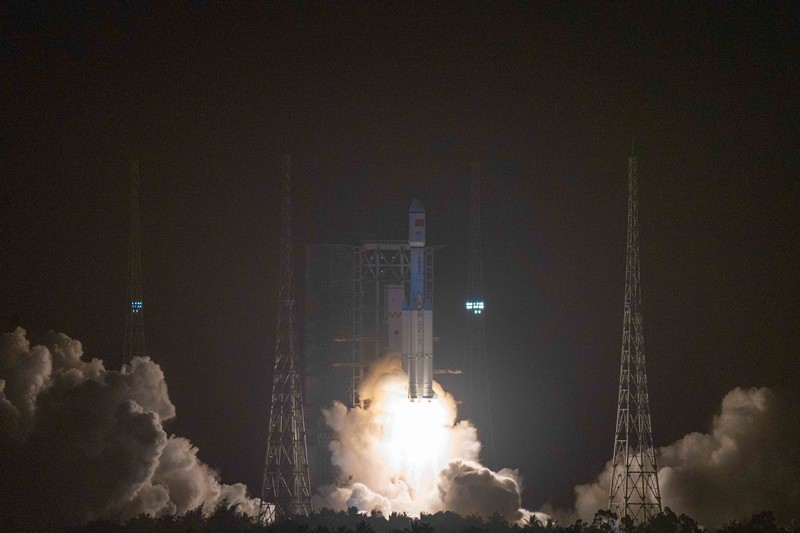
634	490
285	488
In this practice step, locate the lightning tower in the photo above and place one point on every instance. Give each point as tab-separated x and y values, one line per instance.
478	401
134	330
285	486
634	478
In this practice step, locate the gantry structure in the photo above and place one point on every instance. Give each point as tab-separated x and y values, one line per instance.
478	400
381	275
285	489
634	490
134	327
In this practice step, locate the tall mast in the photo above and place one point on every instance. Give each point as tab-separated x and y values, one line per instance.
478	398
634	488
134	330
285	486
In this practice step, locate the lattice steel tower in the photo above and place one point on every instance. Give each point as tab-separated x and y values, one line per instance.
285	487
134	327
478	399
634	478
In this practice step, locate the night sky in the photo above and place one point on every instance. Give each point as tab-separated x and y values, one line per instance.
385	103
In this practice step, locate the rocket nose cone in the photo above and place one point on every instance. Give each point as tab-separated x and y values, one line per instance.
416	207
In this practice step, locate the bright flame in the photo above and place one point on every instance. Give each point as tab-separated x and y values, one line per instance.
416	436
411	457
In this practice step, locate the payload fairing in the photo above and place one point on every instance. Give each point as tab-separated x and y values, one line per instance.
417	314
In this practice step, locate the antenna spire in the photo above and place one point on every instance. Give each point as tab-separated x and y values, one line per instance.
285	486
477	394
134	330
634	476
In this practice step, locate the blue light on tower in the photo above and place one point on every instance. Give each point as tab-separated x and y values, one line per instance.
475	306
136	306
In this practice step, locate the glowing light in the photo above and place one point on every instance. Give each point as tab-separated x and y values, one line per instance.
136	306
476	307
416	436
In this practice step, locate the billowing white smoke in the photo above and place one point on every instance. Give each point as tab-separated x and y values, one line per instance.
79	442
750	462
409	458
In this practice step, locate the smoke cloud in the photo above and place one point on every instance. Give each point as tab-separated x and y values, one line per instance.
748	463
444	474
80	442
468	488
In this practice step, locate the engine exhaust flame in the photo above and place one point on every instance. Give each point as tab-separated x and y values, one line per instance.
416	435
411	457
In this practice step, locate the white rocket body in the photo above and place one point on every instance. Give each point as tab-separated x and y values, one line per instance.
417	314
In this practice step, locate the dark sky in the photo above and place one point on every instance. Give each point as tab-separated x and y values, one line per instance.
382	104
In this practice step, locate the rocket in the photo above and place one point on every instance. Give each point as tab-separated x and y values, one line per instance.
417	314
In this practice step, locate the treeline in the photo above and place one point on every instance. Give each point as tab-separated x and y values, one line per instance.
229	519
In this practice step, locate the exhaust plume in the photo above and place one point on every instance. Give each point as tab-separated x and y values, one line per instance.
79	442
411	457
748	463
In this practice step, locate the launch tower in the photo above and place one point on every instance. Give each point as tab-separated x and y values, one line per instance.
285	488
134	327
634	478
478	408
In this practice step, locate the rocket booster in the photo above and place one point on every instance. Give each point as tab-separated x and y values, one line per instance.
417	314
